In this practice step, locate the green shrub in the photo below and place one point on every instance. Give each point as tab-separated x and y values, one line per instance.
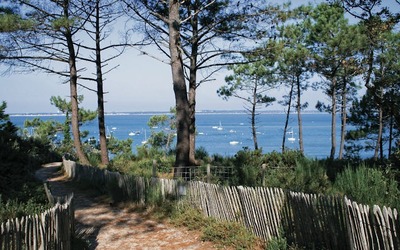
202	154
287	159
94	158
32	200
165	164
153	194
247	168
290	170
143	167
368	186
277	243
229	234
308	176
15	209
189	217
222	233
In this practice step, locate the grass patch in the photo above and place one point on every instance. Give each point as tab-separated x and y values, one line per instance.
222	233
229	234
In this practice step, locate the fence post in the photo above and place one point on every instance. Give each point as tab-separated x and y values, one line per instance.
48	193
208	173
263	168
154	169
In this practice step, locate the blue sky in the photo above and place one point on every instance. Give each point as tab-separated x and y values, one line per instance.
140	83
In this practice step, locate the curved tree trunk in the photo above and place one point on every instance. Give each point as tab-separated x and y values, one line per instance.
75	114
74	95
181	99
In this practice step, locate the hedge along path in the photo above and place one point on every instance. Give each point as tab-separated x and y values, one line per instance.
111	227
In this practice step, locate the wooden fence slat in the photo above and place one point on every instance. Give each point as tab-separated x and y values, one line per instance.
6	235
19	233
263	222
264	209
244	206
274	209
381	233
396	227
236	205
2	232
388	228
367	226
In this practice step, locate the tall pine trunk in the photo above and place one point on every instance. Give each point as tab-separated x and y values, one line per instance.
391	125
192	125
299	118
192	89
287	117
100	93
333	122
380	131
181	99
74	94
253	116
192	106
343	116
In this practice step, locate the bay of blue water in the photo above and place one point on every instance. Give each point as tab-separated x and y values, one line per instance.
235	127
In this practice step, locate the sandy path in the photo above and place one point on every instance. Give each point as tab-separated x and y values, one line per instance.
107	227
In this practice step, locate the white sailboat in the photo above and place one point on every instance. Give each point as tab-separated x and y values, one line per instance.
145	138
291	138
234	142
220	126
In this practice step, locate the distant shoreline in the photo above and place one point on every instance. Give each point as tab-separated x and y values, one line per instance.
167	112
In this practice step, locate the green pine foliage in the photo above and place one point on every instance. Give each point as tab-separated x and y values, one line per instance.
368	186
20	193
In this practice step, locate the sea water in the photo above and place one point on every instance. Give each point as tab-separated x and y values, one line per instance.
222	133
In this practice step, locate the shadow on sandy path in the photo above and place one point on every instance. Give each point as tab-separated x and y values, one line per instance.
60	186
112	227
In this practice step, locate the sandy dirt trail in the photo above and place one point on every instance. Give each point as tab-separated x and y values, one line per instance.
107	227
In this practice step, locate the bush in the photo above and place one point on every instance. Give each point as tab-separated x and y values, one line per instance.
308	176
248	168
20	193
189	217
368	186
229	234
201	154
222	233
287	159
31	200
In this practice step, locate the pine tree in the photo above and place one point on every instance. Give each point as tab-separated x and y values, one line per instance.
333	43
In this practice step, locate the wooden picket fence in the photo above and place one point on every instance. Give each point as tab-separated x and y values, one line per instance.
308	220
123	187
51	229
374	228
